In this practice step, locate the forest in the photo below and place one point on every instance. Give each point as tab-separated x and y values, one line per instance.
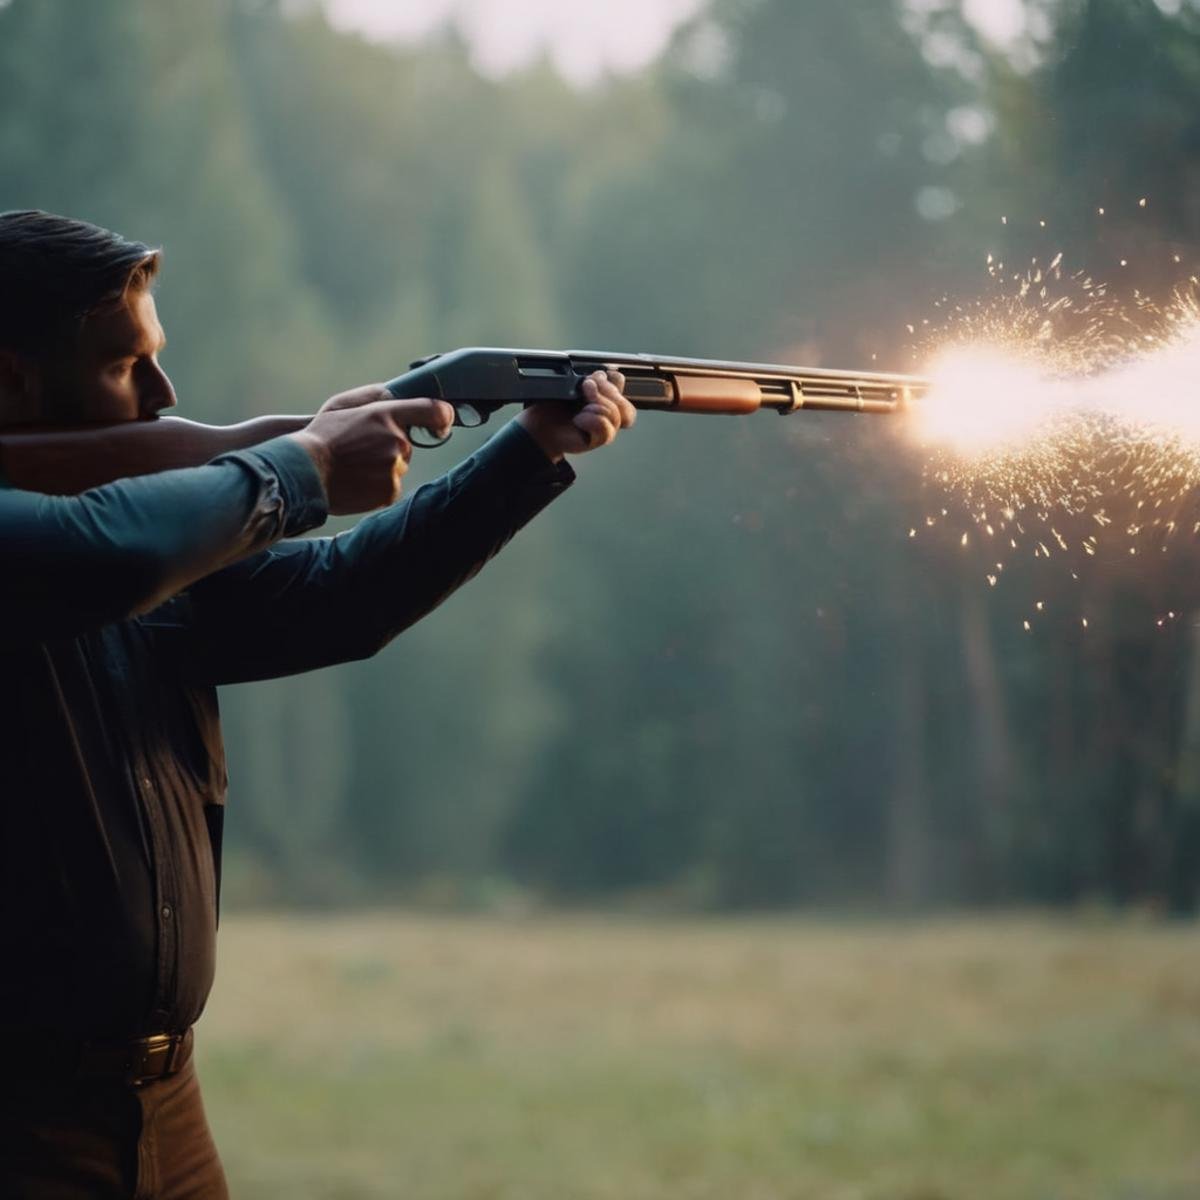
720	673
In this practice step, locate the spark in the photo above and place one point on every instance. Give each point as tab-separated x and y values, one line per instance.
1057	404
1008	388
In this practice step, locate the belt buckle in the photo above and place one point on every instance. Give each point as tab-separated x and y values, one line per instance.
152	1058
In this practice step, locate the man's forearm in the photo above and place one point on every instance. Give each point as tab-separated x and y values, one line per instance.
65	462
73	563
310	604
453	527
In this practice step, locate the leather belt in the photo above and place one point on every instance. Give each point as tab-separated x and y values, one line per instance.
136	1061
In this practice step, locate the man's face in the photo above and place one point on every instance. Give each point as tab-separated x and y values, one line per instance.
109	374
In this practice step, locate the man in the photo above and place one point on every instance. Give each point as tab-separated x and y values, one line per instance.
120	611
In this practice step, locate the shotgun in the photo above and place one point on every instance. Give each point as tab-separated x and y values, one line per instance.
477	382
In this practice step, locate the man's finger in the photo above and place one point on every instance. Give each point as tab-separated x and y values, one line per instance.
371	393
613	388
623	410
597	424
607	401
435	415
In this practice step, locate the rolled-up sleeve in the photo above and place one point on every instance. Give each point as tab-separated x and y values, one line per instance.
73	563
307	604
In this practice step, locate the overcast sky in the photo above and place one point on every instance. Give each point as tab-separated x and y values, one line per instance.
585	38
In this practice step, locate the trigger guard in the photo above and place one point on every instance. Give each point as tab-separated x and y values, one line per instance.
421	438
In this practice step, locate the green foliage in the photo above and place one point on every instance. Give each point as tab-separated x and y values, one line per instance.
718	672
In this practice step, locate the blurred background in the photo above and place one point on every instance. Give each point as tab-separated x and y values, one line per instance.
602	863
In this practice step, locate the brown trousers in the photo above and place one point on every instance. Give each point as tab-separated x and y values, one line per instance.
108	1142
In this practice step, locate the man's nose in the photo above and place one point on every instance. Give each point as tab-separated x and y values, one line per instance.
156	393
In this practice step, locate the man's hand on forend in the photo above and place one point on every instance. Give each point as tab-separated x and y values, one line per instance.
561	429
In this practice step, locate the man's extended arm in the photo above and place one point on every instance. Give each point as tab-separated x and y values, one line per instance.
76	563
307	604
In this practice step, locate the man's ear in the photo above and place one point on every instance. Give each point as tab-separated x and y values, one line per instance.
20	388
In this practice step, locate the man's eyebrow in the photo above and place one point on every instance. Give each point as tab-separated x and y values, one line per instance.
118	347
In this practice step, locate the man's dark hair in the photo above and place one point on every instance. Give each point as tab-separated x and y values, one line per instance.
55	272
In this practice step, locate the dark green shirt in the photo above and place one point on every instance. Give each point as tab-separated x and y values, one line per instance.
121	610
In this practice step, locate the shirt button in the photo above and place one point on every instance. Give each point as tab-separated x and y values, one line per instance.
166	912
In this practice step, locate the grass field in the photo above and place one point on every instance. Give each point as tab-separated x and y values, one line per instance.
392	1055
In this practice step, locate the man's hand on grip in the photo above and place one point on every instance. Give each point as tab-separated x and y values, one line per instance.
359	443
